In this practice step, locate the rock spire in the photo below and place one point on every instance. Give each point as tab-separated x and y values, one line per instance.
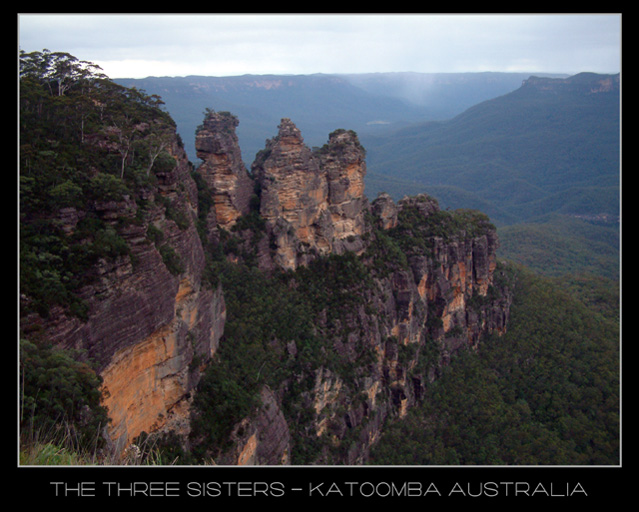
312	201
222	169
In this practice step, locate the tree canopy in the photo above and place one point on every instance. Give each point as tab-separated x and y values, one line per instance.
83	139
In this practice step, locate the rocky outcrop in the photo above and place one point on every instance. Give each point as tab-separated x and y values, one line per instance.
222	169
581	83
425	288
432	292
385	210
294	195
413	319
312	202
343	160
452	279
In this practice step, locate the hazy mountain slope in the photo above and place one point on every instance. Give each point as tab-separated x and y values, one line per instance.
559	244
444	94
316	103
551	145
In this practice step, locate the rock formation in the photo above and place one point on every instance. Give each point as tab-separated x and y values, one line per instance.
342	158
432	292
426	289
312	202
222	169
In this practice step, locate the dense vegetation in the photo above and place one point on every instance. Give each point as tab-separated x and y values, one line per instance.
279	329
60	399
545	393
83	140
556	245
282	327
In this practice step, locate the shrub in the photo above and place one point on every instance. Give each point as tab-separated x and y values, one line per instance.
60	396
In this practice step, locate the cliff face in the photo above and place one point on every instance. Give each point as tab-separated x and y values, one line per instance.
392	290
342	158
428	287
151	320
413	319
581	83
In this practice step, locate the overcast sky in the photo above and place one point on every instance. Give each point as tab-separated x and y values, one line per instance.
137	46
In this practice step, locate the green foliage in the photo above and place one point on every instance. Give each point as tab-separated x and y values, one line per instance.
107	187
84	141
416	230
334	283
545	393
158	449
57	392
205	203
49	454
283	326
279	329
385	254
178	216
262	317
561	244
171	259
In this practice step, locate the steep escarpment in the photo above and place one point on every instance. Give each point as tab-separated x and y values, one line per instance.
112	264
149	313
340	312
580	84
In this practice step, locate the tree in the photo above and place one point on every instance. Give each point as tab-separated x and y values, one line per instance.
157	139
74	123
56	87
133	119
59	396
58	70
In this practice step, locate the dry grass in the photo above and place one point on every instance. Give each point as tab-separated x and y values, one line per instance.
60	448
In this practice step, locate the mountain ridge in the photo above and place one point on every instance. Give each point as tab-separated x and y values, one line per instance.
351	101
549	134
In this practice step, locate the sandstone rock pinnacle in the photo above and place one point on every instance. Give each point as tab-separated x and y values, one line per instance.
313	202
222	168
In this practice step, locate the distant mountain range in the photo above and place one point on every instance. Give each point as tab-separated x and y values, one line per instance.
319	103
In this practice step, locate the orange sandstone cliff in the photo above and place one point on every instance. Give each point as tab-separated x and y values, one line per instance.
152	321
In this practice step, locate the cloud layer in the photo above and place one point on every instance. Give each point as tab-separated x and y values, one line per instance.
136	46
